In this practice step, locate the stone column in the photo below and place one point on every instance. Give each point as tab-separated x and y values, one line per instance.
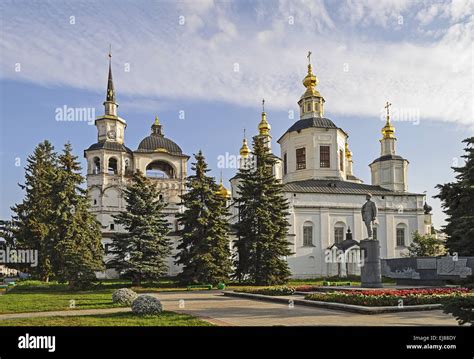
371	271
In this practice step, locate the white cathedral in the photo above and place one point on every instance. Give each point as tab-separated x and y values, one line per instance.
315	167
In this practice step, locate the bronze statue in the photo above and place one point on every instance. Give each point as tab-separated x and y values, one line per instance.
369	213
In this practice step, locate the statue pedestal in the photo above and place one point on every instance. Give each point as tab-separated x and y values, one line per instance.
371	271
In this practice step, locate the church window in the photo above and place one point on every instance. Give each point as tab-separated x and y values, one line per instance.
285	164
400	237
308	107
95	202
301	158
324	160
112	168
341	160
338	234
112	226
307	235
96	165
316	107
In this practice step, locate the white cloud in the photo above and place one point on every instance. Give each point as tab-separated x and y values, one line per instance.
197	61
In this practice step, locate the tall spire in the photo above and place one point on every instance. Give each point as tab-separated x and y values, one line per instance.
310	81
264	127
388	131
110	102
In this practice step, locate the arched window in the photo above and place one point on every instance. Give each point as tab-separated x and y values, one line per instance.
112	167
339	229
401	233
159	169
96	165
308	234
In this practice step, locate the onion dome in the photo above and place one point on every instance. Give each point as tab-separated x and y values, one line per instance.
244	150
223	192
388	131
348	152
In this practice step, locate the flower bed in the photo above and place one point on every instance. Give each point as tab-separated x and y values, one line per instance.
391	297
272	291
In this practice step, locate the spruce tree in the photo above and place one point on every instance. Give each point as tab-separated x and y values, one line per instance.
142	251
204	249
78	250
263	226
458	199
32	225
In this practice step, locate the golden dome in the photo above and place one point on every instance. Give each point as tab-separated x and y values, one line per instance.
310	80
244	150
388	131
223	192
264	127
348	152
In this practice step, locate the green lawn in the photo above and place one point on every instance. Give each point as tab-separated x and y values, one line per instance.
166	319
37	301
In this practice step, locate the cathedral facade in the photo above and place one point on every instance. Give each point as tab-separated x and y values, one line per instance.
314	164
325	197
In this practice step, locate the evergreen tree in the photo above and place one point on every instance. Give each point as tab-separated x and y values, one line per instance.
31	226
426	245
141	252
458	199
78	250
204	249
262	227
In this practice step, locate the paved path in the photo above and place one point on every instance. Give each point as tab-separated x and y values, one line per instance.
231	311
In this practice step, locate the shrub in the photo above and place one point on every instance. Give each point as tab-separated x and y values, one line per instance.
273	291
124	296
146	305
462	308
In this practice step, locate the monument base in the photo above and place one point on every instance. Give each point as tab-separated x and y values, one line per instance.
371	271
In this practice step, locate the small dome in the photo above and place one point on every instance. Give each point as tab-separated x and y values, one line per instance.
157	143
223	192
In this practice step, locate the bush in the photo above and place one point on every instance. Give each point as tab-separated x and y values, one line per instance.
124	296
462	308
146	305
273	291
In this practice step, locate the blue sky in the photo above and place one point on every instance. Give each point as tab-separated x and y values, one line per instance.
216	60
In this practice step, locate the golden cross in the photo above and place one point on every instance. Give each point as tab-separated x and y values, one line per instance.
263	105
309	57
387	106
110	50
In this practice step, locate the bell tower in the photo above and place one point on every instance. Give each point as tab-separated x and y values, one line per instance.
389	170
